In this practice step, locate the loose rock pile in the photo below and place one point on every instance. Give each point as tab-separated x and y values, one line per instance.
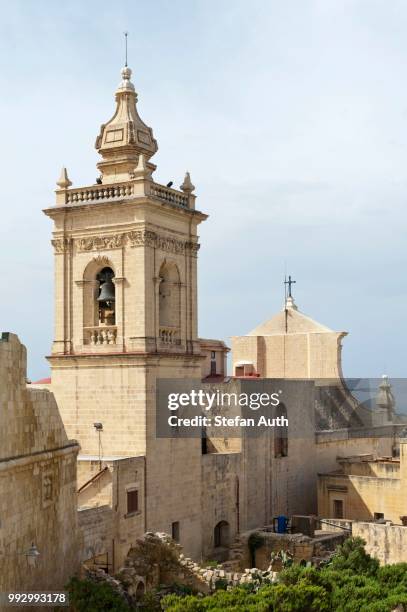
98	575
157	560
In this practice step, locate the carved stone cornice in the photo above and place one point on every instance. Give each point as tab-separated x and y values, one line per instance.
100	243
142	238
171	245
137	238
193	247
61	245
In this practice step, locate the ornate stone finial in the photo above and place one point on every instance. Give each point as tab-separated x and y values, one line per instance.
385	397
124	137
64	182
290	304
126	84
187	185
385	380
385	400
141	170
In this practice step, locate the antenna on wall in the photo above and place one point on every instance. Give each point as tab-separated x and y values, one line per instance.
285	297
99	428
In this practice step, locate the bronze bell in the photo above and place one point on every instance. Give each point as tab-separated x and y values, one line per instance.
107	292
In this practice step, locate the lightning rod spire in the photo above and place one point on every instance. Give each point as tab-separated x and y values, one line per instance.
125	46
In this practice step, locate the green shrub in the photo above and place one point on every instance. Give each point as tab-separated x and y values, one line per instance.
210	564
353	582
393	575
351	555
221	584
88	596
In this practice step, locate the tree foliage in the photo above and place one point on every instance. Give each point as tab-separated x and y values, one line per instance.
89	596
352	582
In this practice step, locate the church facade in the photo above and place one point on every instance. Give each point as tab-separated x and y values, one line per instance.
126	316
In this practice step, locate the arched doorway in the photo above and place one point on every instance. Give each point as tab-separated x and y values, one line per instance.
221	534
140	590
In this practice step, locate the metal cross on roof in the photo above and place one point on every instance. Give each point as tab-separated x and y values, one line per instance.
289	282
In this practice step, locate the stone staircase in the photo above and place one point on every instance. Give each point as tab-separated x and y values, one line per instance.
235	560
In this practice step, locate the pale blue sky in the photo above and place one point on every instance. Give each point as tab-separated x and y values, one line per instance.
291	117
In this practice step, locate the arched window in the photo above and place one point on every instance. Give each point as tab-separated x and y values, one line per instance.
221	534
281	432
169	303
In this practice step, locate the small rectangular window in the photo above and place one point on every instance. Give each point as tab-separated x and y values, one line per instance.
132	501
204	444
280	445
213	355
338	508
175	531
378	516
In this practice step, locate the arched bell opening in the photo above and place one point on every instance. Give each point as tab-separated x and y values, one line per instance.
106	298
169	303
99	303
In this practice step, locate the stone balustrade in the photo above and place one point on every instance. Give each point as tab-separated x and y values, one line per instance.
167	194
104	193
169	335
101	335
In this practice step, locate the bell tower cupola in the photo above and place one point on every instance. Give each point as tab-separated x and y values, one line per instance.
124	137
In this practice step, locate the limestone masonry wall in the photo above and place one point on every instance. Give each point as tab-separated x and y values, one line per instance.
38	500
96	525
388	543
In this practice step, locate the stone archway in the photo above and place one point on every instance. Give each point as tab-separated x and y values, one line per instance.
140	590
221	534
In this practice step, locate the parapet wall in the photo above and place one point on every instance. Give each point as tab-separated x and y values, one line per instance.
96	526
387	542
29	418
38	501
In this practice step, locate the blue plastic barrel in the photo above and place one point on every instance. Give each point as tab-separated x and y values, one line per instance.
282	522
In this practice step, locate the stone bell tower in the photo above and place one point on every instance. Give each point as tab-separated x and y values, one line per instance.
125	287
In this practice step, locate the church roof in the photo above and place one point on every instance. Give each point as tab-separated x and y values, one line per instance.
290	320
